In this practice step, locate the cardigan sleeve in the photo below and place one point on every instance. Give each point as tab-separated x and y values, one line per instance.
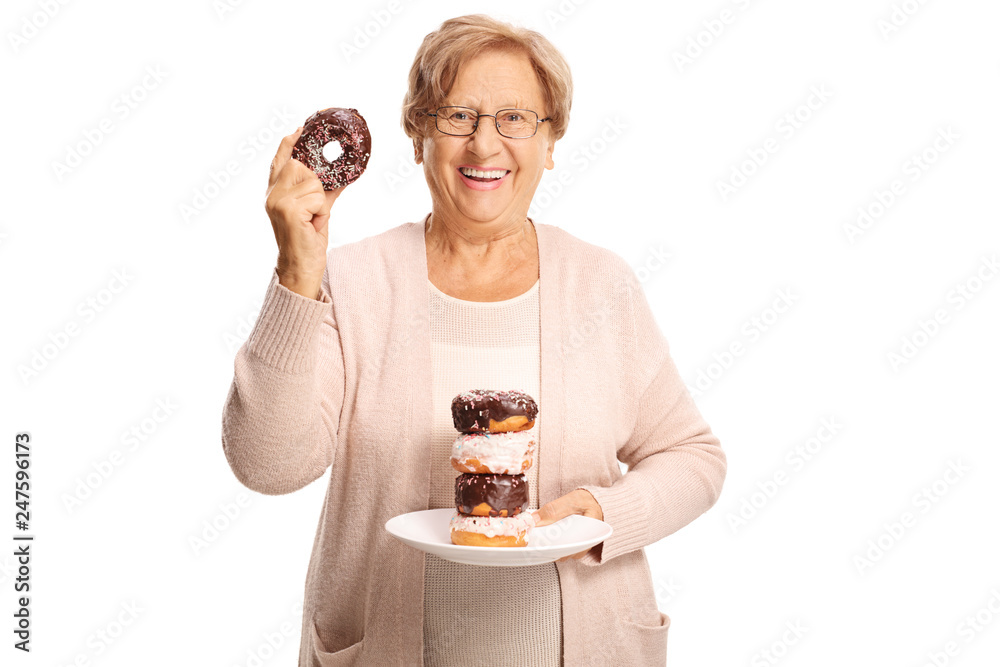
675	464
280	420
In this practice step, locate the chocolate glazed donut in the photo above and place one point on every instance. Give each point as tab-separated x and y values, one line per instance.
490	495
345	126
479	410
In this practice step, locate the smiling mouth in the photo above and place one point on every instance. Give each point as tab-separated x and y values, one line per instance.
483	176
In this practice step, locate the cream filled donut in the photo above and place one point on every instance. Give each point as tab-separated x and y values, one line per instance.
507	453
491	531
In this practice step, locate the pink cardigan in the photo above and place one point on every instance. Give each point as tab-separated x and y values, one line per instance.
341	385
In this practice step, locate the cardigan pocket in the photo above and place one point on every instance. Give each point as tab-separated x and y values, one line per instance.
342	658
650	641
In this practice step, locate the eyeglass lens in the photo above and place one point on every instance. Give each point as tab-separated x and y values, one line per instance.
515	123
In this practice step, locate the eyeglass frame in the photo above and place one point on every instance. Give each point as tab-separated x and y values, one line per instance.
496	121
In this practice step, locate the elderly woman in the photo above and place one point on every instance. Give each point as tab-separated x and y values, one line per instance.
357	353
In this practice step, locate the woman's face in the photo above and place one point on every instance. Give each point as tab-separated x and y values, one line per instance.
488	83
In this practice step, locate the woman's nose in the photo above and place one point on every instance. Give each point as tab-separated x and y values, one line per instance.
486	138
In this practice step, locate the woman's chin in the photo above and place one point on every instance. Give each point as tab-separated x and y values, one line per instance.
483	212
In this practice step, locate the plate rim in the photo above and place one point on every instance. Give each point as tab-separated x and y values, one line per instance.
505	550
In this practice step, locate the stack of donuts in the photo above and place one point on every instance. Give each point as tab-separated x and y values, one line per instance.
496	445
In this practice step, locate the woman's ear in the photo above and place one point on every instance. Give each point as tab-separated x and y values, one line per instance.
549	164
418	150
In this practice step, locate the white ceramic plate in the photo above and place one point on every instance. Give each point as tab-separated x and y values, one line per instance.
428	531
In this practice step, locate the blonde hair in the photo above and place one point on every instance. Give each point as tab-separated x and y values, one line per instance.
459	39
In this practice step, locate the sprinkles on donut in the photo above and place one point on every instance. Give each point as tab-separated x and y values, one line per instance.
481	410
345	126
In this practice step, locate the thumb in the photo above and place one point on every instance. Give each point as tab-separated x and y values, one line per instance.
282	157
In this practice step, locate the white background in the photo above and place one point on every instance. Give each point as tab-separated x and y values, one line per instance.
672	132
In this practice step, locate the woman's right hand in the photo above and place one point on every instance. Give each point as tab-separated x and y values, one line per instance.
299	209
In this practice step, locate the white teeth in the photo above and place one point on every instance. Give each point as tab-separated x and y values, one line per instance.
483	174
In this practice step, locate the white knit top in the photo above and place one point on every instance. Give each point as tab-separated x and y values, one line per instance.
476	615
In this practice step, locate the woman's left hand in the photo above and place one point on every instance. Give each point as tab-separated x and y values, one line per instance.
578	501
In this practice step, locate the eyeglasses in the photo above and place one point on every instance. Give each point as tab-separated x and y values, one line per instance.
463	121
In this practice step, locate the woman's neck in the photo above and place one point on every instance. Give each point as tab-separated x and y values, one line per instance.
479	266
491	248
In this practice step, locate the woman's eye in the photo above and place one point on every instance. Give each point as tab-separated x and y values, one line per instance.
513	117
459	115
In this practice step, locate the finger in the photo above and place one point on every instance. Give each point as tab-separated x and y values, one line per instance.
553	511
284	178
576	556
313	205
305	188
331	195
328	199
292	173
282	156
313	186
321	218
320	222
589	505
